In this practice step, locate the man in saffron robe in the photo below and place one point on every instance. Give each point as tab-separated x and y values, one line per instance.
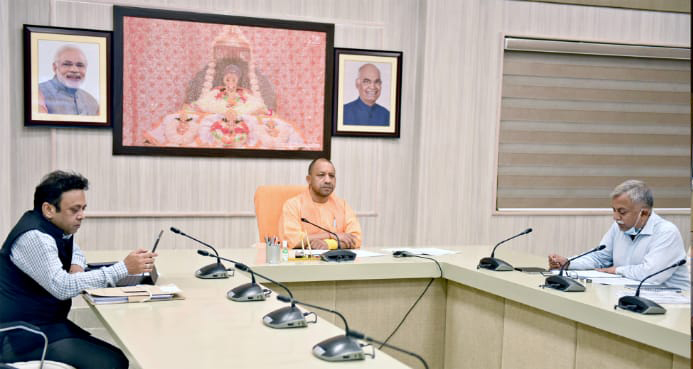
319	205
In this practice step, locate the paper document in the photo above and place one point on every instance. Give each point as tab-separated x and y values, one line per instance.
359	253
428	251
661	297
597	277
620	281
582	274
652	287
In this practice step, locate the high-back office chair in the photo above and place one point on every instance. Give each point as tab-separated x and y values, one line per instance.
268	207
34	364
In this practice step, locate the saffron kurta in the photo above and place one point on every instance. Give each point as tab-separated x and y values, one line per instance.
335	215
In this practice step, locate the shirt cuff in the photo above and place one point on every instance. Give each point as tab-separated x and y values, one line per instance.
79	260
121	271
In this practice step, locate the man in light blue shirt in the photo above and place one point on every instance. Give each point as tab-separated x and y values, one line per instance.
639	242
364	111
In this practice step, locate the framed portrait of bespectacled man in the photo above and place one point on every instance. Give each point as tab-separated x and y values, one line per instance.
66	77
368	93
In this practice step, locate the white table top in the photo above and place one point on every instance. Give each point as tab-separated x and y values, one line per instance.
206	330
594	307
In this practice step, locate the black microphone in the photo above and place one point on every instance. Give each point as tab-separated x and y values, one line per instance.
492	263
567	263
286	317
211	271
247	291
565	283
642	305
337	348
361	336
333	255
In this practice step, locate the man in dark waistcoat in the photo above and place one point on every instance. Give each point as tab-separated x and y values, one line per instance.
42	269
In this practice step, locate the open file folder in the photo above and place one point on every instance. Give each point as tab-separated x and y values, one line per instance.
139	293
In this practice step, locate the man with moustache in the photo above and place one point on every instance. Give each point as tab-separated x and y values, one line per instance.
42	269
364	110
319	205
639	242
62	94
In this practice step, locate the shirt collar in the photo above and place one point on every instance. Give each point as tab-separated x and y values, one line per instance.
649	226
363	105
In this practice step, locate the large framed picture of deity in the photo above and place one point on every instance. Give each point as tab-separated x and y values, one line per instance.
192	84
66	77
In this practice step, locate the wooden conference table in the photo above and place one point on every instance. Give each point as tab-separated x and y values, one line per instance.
468	319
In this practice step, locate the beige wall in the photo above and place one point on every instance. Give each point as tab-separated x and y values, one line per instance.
459	114
432	186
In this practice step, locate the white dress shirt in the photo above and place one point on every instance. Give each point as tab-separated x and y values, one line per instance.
658	246
36	254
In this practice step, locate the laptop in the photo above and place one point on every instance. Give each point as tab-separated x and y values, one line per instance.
133	279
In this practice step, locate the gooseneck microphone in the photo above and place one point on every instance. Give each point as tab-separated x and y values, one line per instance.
333	255
492	263
286	317
337	348
211	271
642	305
245	292
565	283
361	336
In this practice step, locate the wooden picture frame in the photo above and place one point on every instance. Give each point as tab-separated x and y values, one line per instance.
67	75
193	84
368	93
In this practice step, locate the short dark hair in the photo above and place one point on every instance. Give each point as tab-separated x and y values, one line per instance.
312	163
54	184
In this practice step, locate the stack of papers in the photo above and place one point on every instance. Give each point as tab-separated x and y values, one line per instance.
597	277
661	296
139	293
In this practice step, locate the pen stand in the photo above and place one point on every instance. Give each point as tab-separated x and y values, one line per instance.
273	254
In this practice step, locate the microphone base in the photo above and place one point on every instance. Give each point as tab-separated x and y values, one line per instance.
212	271
640	305
563	283
494	264
338	348
338	255
286	317
248	292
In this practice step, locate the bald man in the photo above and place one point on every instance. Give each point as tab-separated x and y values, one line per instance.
319	205
364	111
62	94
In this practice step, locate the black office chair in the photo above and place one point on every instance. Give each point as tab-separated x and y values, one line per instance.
33	364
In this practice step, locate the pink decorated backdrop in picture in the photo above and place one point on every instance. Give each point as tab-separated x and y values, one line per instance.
174	70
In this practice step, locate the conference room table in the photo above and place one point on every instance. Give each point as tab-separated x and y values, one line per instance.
468	318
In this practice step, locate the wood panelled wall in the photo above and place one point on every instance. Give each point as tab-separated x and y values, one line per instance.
433	186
